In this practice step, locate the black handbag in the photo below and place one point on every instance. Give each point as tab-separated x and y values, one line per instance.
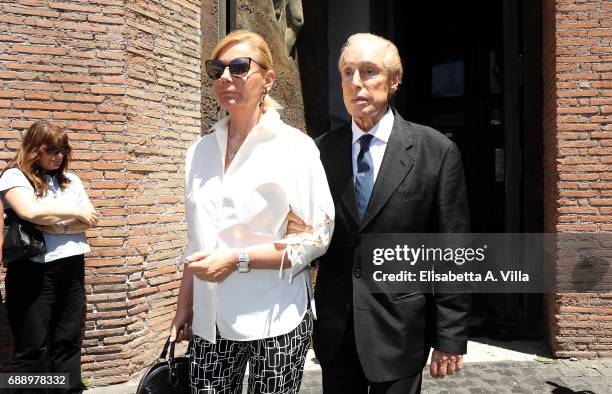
21	239
166	377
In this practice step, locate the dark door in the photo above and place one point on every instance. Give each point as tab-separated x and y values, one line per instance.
453	82
462	68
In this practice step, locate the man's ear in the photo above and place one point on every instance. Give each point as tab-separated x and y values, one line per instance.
394	83
269	79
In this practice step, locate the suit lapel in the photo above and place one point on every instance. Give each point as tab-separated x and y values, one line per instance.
342	165
395	165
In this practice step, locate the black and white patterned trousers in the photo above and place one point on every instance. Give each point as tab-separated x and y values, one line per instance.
275	364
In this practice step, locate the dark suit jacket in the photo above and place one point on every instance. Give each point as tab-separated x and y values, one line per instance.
420	188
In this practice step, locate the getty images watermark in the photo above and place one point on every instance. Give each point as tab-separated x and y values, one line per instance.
486	263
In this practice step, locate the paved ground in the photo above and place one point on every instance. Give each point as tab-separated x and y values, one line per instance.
490	367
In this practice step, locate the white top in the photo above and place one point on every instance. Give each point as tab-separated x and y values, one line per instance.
276	170
58	245
381	132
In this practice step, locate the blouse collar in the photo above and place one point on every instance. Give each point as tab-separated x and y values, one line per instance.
267	128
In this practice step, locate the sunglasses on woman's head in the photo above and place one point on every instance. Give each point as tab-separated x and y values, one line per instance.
54	150
238	67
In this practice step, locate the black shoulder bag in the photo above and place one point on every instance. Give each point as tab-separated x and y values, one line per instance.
21	239
166	377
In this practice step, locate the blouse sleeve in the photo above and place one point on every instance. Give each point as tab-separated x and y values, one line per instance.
13	177
79	189
312	202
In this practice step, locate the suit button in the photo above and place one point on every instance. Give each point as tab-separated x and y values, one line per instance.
357	272
358	237
348	307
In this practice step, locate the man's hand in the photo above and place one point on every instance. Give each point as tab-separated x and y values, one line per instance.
213	265
444	364
296	226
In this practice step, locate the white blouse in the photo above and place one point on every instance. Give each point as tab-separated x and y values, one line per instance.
276	170
58	246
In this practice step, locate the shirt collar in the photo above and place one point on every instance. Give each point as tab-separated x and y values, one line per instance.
267	127
267	122
380	131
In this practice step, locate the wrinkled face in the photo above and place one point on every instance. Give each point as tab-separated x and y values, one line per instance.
240	92
366	85
52	157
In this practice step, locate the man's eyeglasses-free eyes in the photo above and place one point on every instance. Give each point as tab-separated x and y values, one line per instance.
54	150
238	67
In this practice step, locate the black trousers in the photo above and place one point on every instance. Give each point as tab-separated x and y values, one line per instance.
45	308
345	374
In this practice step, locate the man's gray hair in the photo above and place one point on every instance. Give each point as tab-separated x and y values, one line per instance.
391	59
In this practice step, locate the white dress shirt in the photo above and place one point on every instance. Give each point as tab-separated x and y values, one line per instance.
276	170
381	132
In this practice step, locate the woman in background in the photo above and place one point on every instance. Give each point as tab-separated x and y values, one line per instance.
45	295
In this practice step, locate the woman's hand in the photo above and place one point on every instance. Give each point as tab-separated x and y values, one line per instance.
213	265
180	329
296	226
56	228
88	214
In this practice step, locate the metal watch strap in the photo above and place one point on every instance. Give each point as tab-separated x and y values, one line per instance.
243	261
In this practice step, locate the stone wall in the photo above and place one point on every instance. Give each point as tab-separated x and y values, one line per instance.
124	77
577	72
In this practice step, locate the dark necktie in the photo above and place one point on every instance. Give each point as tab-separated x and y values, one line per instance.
364	178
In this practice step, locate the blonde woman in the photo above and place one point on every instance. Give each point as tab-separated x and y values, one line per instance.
246	288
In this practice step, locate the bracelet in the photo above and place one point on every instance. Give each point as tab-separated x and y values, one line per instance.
65	225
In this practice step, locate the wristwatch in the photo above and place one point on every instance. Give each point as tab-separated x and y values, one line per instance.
243	261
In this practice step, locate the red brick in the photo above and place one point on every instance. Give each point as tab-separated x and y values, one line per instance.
11	19
33	67
29	11
107	90
105	19
72	78
82	107
77	115
41	50
110	109
114	80
77	98
41	105
80	26
74	7
8	75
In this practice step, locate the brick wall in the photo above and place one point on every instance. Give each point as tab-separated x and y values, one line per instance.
577	71
124	77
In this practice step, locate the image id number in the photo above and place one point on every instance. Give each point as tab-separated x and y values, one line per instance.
33	380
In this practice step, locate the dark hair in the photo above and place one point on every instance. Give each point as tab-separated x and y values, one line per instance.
40	135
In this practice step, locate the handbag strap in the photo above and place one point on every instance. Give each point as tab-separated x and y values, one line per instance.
164	352
170	345
173	378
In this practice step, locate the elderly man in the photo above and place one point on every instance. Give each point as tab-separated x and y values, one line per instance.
386	175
